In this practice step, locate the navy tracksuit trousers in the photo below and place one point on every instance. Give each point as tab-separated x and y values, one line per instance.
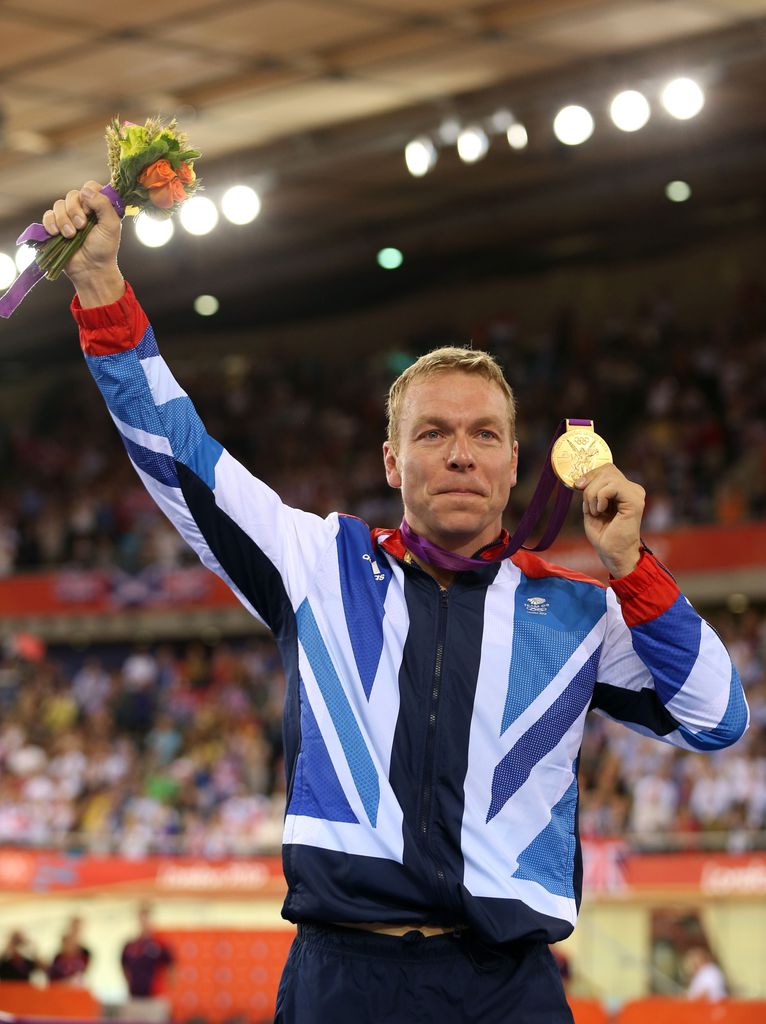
337	975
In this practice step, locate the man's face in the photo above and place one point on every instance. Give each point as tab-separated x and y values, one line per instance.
456	463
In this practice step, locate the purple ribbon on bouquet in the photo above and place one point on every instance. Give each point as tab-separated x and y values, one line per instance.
28	278
443	559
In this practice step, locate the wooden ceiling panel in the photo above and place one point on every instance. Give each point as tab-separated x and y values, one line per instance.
736	8
42	181
91	16
23	41
278	27
432	7
520	13
628	26
308	106
40	111
125	70
410	45
470	65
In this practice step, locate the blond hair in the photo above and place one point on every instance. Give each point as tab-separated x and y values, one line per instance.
443	360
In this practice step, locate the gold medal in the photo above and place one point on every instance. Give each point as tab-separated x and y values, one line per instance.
578	451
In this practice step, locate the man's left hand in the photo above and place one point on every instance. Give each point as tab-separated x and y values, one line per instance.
612	508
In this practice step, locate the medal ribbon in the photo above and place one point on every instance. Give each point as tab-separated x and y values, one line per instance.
26	281
440	558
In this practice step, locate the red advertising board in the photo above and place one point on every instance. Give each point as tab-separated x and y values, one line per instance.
699	549
609	866
702	549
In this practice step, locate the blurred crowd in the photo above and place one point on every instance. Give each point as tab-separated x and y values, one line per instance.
149	751
177	748
683	407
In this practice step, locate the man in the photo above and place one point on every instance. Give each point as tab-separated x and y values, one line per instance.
145	961
72	959
18	960
433	717
705	978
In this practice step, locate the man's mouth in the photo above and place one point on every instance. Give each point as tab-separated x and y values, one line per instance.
461	491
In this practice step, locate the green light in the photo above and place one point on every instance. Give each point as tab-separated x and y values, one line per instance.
678	191
390	259
206	305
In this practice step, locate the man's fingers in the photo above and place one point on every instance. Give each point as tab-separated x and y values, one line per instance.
94	200
49	222
63	216
606	485
69	214
598	502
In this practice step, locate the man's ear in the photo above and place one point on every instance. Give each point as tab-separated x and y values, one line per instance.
393	476
515	458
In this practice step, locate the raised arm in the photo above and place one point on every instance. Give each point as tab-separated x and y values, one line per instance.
264	550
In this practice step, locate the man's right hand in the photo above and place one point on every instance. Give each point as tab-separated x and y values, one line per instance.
93	269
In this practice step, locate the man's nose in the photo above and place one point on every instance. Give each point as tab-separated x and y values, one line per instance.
460	456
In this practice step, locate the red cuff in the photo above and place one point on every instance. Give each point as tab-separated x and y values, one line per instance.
646	592
105	330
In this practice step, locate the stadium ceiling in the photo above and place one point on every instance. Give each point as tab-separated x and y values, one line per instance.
313	102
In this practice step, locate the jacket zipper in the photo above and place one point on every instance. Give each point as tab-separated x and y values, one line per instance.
433	712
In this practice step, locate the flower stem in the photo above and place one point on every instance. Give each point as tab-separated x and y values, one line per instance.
54	255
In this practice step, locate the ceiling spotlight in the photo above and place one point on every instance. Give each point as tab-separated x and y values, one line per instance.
25	255
390	258
240	204
7	271
206	305
199	215
630	110
420	156
573	125
678	191
517	136
683	98
448	131
152	232
472	144
499	122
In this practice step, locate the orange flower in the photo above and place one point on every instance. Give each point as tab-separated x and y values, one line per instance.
186	173
157	175
163	184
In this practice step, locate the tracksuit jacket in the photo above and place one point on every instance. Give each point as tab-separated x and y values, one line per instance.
431	735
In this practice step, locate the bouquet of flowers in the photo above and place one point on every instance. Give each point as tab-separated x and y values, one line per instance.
151	170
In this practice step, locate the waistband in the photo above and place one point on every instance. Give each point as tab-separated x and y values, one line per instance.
400	930
414	945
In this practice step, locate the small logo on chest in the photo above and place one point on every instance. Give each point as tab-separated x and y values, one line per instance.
378	575
537	605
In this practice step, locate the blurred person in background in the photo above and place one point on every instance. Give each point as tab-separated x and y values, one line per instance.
146	961
18	960
706	979
72	959
435	701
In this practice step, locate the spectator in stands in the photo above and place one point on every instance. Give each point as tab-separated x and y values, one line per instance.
19	961
72	959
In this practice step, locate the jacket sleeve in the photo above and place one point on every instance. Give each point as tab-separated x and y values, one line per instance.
264	550
663	670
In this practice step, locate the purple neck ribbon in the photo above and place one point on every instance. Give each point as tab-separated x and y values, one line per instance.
36	233
441	558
